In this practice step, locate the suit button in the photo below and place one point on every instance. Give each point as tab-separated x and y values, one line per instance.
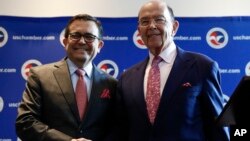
81	131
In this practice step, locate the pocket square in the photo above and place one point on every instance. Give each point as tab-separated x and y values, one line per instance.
187	84
105	94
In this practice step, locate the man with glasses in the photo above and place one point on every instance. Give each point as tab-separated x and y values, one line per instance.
173	95
69	100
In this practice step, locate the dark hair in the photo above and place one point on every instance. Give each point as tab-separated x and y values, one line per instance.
84	17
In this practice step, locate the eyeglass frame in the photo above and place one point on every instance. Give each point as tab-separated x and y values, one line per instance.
159	20
83	36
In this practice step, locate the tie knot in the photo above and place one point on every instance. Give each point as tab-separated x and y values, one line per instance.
156	60
79	72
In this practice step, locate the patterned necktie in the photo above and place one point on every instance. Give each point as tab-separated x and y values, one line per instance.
153	89
81	94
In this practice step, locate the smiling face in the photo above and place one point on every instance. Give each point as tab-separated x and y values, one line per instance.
156	26
79	51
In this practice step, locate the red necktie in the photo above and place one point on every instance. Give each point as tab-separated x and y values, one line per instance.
81	94
153	89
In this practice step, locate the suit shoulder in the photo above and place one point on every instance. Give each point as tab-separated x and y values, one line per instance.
204	62
199	57
135	66
132	70
46	68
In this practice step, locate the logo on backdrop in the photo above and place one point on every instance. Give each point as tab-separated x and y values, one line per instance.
217	38
27	65
138	41
62	37
247	69
109	67
3	37
1	104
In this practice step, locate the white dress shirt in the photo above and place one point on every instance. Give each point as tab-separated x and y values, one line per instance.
168	55
87	77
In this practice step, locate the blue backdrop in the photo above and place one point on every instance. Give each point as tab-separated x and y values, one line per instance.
28	42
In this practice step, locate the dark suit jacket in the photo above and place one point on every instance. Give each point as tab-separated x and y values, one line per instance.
48	111
185	113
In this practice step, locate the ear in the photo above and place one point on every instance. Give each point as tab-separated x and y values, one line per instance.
175	27
100	45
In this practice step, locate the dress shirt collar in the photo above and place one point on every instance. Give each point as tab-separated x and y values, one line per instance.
73	68
168	54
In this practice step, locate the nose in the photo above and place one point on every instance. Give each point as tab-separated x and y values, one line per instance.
152	24
82	40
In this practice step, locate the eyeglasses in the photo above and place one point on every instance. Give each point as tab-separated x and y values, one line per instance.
88	37
157	21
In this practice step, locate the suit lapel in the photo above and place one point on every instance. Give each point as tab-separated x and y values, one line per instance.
180	68
97	86
62	76
138	88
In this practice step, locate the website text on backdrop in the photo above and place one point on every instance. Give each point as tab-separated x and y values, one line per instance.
50	111
182	99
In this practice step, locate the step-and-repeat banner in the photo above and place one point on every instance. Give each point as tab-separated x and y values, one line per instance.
28	42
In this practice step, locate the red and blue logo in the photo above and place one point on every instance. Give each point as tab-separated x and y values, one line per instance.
138	40
109	67
1	104
3	37
247	69
217	38
61	37
27	65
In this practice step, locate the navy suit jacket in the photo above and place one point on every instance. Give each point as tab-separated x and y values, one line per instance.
48	111
185	113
